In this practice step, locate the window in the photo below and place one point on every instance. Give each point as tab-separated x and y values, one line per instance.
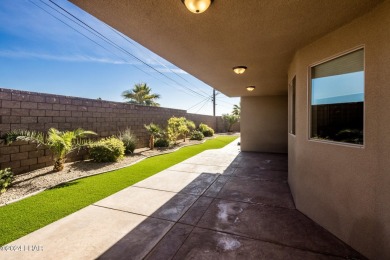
337	99
292	107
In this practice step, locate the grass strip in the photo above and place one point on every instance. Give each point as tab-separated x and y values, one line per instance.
30	214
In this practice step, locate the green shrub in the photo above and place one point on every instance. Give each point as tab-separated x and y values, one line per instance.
206	130
230	120
6	177
176	126
190	124
197	135
161	142
109	149
129	140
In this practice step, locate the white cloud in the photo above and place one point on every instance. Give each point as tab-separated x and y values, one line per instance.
67	58
171	70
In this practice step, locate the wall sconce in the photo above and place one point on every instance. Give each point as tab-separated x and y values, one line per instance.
250	88
239	69
197	6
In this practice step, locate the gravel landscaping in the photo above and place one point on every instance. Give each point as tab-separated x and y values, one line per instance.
29	183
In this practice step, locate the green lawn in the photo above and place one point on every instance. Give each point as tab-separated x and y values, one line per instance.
25	216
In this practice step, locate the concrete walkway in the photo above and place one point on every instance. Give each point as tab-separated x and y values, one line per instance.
220	204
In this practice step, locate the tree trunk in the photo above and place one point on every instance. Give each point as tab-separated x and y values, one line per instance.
151	142
58	165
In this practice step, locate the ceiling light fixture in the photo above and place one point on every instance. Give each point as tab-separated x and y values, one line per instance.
197	6
250	88
239	69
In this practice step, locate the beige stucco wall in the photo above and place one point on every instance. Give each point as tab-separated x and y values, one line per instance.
264	124
347	189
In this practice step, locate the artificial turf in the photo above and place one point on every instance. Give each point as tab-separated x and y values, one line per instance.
30	214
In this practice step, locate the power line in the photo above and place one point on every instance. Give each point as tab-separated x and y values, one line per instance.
95	41
124	50
205	103
159	62
86	36
226	102
100	44
198	103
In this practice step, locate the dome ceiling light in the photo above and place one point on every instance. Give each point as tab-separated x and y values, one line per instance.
250	88
239	69
197	6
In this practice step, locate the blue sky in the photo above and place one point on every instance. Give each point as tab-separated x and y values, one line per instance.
40	53
343	88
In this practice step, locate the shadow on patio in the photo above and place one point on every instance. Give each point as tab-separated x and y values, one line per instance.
247	212
219	204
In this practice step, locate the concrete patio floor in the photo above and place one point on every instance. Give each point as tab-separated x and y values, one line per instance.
220	204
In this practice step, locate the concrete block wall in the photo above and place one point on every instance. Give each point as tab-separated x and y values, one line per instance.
39	111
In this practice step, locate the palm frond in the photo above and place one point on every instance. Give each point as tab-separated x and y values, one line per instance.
141	94
24	135
81	133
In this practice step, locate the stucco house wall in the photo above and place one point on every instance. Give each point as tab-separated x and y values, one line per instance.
264	124
346	189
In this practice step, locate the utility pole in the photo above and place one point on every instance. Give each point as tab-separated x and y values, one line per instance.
213	101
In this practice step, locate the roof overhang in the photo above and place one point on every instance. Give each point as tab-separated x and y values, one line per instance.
262	35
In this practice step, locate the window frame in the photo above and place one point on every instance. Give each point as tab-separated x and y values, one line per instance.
309	98
292	106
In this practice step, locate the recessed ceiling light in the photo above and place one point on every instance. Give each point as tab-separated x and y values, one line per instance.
250	88
239	69
197	6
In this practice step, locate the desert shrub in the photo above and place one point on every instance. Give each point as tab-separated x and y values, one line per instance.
206	130
190	124
129	140
176	126
109	149
197	135
230	120
161	142
6	177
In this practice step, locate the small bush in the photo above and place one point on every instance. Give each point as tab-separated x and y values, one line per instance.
190	124
206	130
230	120
176	127
129	140
110	149
197	135
6	177
161	142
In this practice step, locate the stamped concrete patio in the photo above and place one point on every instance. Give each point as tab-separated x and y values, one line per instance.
220	204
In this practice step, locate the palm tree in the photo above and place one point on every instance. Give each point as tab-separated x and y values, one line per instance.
60	143
154	131
141	95
236	110
230	120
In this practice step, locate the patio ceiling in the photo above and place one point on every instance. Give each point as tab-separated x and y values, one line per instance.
260	34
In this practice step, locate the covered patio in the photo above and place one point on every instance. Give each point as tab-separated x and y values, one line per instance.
223	204
342	186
